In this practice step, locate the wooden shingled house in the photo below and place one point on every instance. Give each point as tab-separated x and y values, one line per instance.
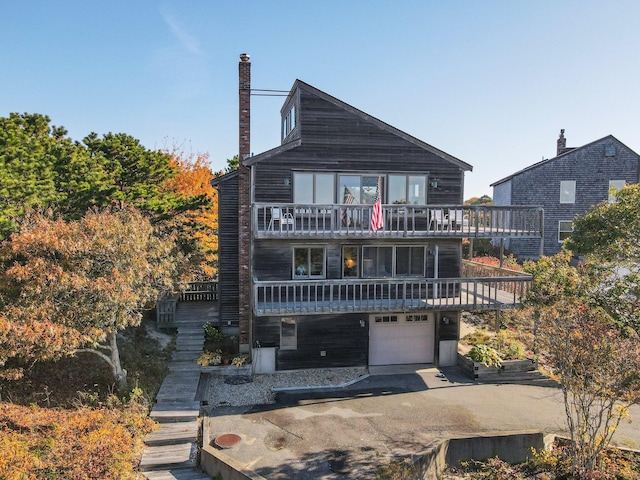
342	246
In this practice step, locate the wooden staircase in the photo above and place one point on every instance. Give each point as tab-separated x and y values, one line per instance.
171	451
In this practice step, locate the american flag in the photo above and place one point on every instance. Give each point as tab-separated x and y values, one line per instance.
376	214
348	200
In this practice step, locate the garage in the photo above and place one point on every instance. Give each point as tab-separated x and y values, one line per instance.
396	339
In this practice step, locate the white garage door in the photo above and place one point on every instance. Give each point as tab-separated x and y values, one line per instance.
396	339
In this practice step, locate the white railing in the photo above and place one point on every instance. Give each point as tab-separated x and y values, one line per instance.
313	220
305	297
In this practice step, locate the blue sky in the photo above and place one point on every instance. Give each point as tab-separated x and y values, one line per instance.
491	82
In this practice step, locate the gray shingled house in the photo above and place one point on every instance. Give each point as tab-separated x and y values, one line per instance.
565	186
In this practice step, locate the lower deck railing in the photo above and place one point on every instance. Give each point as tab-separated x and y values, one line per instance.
307	297
193	292
200	291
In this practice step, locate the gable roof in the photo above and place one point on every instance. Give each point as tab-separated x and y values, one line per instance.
549	160
299	84
223	178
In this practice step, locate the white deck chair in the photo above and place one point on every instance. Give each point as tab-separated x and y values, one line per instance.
285	218
458	219
437	219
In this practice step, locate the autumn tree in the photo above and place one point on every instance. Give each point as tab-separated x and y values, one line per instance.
198	227
68	287
483	200
595	362
597	368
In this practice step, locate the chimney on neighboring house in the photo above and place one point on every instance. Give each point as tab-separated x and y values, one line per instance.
562	143
244	204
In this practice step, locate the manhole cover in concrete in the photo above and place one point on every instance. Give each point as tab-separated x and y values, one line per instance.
227	440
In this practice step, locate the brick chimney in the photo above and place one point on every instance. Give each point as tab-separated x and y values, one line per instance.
244	204
244	90
562	143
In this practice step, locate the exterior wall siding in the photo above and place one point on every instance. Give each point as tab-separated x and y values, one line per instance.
336	140
228	254
343	339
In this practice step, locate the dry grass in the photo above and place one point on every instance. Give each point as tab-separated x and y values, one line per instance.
66	420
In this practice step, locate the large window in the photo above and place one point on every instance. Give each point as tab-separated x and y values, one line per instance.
409	189
564	230
377	262
309	262
568	191
288	334
359	189
410	261
313	188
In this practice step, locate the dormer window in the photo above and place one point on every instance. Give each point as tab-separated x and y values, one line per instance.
289	122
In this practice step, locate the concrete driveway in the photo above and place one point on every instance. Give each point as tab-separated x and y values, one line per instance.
350	432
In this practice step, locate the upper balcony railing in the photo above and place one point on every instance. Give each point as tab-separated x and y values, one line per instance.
340	221
498	290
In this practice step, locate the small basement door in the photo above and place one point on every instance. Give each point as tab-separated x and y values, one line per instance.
396	339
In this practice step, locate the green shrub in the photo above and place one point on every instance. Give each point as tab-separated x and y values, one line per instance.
213	333
486	355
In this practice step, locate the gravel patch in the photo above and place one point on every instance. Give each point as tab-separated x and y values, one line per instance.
260	390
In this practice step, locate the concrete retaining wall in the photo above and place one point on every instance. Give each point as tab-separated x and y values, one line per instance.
214	462
512	448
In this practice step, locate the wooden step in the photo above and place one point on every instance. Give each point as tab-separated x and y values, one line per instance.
176	474
165	457
175	415
173	434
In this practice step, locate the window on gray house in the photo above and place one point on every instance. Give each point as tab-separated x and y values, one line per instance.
313	188
289	122
409	189
308	262
377	262
359	189
568	191
410	261
613	186
609	150
564	230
